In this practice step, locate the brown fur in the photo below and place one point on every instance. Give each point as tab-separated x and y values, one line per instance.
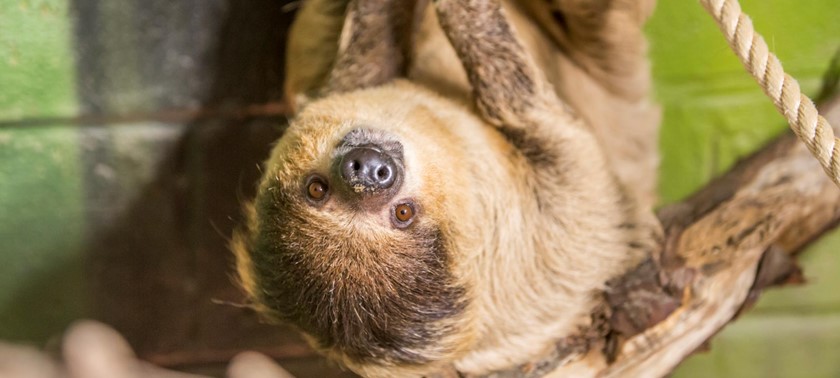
522	215
376	46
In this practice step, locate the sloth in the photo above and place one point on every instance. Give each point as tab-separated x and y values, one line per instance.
459	181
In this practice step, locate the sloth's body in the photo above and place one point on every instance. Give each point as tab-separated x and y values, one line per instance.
489	237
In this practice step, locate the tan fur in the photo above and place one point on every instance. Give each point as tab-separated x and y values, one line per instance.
310	59
528	245
624	120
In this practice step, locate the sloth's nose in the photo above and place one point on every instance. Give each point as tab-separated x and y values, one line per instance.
366	169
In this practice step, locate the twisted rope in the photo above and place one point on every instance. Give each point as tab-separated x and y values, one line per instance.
801	114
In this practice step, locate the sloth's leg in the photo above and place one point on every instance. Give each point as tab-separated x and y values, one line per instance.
604	37
374	44
600	24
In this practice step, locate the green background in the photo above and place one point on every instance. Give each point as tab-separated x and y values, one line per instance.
713	114
41	214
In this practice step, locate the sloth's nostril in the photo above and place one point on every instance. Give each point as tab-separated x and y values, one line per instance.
367	169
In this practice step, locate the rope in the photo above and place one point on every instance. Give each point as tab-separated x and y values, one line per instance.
801	114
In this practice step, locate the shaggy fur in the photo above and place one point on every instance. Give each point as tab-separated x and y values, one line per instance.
527	201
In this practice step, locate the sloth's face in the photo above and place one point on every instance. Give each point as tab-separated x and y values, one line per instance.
351	233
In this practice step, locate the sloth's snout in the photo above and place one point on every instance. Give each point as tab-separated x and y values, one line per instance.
367	170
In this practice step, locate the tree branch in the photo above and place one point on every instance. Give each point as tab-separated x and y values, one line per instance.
722	247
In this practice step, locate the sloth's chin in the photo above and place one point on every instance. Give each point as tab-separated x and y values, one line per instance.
370	300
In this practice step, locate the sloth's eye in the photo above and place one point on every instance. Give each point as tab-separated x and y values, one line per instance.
317	189
403	214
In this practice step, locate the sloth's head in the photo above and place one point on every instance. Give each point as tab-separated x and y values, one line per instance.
352	235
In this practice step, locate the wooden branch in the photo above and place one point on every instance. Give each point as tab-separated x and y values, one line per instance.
722	247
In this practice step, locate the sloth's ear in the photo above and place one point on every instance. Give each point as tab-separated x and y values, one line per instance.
374	45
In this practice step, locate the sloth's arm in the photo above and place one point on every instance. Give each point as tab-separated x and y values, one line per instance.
504	78
374	44
508	88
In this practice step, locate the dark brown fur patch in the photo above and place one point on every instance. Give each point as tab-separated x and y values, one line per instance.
536	150
370	301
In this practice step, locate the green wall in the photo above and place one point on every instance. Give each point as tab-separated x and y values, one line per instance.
715	113
41	214
36	66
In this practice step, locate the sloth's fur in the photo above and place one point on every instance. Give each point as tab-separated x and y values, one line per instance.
516	228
